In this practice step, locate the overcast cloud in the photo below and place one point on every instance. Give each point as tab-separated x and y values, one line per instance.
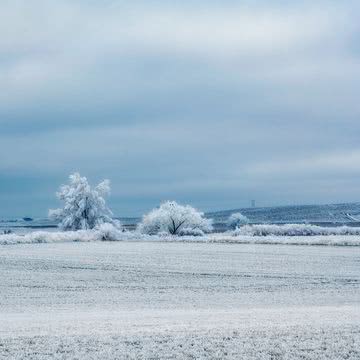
210	103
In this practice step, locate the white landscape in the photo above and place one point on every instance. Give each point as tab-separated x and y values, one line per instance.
174	288
212	211
161	300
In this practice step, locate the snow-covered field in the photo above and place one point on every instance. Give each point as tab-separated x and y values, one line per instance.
245	235
180	300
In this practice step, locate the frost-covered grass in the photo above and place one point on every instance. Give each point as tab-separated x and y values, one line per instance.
104	233
159	300
331	240
295	230
250	234
268	344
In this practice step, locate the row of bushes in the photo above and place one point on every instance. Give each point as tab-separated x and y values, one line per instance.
294	230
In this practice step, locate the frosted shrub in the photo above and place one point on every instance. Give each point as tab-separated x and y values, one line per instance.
191	232
108	232
236	220
172	218
84	207
295	230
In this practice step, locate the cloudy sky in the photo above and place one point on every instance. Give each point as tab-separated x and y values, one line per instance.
211	103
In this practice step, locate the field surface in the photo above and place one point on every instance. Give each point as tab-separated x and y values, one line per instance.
163	300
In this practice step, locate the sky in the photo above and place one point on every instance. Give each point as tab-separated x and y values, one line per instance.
209	103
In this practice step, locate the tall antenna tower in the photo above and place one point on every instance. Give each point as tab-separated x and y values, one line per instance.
253	205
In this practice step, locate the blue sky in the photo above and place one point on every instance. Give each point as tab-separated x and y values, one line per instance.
209	103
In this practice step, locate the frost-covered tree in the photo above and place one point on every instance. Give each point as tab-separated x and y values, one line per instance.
172	218
236	220
84	207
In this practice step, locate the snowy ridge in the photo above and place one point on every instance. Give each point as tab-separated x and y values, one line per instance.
330	213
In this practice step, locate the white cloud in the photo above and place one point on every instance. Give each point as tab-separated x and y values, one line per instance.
53	46
242	96
61	26
339	162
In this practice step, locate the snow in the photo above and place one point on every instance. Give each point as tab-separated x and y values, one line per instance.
315	240
152	299
254	234
295	230
328	213
190	336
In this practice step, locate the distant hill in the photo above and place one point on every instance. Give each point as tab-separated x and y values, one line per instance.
332	213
